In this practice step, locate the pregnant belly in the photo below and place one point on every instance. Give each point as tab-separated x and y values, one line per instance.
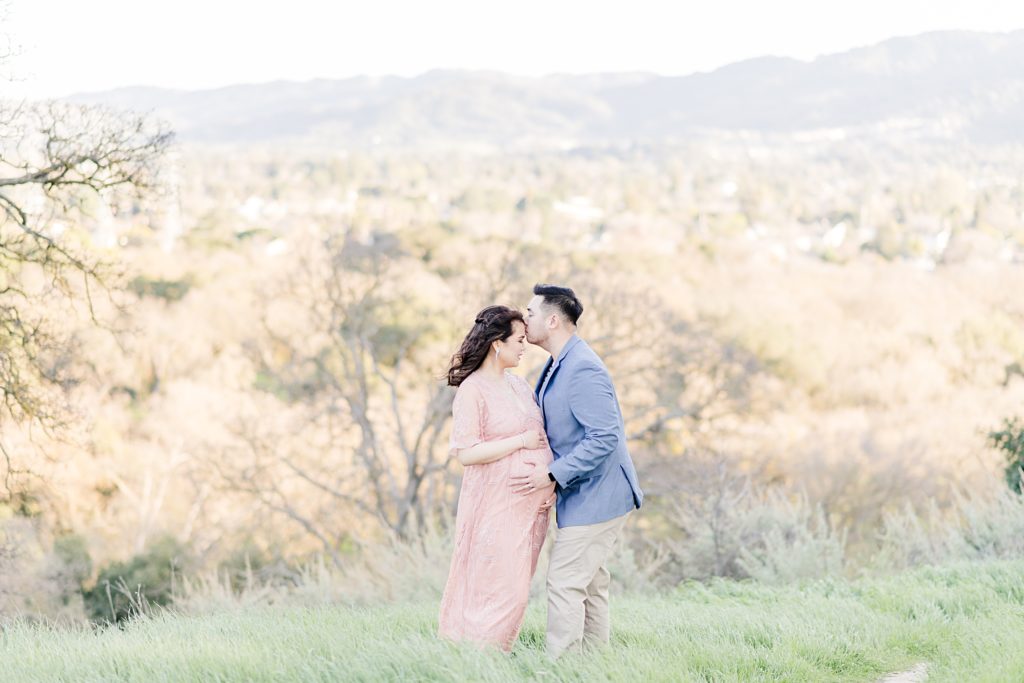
526	463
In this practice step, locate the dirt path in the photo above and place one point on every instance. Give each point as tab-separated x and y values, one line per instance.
916	674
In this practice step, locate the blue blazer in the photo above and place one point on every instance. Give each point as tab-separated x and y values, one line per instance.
596	480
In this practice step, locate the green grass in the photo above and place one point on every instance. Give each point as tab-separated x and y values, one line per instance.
966	621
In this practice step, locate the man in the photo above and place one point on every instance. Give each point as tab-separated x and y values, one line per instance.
594	477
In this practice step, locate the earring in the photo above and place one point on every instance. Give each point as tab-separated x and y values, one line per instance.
497	353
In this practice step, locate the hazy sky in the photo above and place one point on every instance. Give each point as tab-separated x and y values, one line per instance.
83	45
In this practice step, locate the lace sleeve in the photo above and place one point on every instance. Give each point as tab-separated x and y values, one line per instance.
468	412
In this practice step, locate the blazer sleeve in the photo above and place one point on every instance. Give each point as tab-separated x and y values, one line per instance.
593	404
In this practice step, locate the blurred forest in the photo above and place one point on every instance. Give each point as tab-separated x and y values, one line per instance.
808	336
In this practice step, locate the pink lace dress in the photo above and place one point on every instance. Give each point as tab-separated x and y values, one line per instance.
498	533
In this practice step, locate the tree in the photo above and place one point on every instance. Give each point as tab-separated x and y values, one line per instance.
349	350
1009	439
351	433
59	163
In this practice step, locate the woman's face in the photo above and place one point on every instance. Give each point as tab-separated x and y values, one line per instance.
513	348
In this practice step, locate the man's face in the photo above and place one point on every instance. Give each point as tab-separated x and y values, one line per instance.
536	321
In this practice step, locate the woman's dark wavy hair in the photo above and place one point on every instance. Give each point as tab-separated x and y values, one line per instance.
492	324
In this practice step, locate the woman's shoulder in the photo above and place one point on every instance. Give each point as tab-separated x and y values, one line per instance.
475	386
467	387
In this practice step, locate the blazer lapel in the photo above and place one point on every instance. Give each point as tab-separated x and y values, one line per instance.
547	376
543	378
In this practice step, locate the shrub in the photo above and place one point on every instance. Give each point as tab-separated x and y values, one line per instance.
125	589
723	527
1010	440
71	566
977	528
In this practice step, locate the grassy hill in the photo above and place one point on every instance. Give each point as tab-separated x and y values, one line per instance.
966	621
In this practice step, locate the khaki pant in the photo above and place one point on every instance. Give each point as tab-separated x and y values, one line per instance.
578	586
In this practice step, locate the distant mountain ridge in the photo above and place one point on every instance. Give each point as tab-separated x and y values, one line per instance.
961	84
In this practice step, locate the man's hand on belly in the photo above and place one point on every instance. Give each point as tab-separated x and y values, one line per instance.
530	483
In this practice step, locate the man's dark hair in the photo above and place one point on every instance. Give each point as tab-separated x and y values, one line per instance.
562	298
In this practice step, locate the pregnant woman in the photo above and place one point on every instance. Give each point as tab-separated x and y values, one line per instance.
497	433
